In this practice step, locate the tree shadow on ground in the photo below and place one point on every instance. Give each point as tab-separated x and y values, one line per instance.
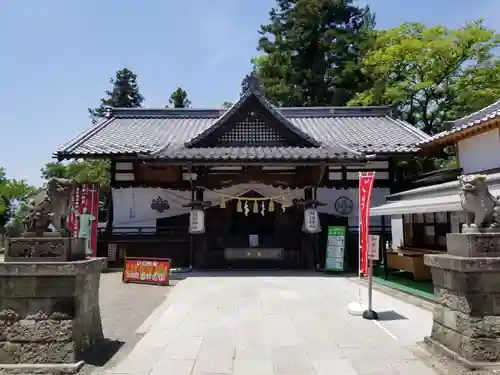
99	354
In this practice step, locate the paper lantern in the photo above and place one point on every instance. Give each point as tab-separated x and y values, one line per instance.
311	221
239	208
196	221
222	202
255	207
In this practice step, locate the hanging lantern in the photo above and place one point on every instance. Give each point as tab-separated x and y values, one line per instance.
196	221
311	221
271	206
255	207
239	208
283	205
222	202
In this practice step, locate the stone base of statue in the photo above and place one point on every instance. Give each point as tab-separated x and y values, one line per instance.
466	322
49	314
50	247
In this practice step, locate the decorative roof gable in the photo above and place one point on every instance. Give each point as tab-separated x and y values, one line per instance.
252	121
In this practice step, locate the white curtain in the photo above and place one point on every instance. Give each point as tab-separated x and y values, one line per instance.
330	196
132	206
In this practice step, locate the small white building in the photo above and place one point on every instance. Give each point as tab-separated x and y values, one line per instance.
421	218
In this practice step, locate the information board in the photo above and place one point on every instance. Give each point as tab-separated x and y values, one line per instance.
147	270
335	248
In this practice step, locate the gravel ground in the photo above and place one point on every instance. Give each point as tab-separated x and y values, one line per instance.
124	307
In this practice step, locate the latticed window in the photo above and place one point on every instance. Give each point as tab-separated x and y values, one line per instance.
252	130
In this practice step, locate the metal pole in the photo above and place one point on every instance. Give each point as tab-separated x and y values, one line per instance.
369	313
370	281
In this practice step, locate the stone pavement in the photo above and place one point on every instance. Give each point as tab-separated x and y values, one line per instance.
245	324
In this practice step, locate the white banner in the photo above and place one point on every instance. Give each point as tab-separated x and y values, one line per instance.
141	207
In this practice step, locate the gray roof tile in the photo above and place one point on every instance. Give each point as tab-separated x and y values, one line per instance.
478	118
347	132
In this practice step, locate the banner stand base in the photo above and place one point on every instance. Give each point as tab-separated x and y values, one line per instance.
357	308
370	315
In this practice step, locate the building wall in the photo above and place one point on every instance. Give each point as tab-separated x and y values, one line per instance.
480	153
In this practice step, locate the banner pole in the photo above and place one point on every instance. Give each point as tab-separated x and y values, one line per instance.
370	314
92	193
357	308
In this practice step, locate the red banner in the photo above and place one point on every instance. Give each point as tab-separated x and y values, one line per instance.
83	218
147	270
365	196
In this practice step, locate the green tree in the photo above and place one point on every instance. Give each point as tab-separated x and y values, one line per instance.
11	190
88	171
227	104
179	99
432	74
123	94
311	52
84	171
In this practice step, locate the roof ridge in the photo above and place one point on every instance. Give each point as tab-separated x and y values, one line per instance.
336	111
162	112
324	111
410	127
495	106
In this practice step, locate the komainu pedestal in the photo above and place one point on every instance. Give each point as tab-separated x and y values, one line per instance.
49	314
466	323
49	248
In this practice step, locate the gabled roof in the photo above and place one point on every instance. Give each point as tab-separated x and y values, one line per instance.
230	113
470	124
326	134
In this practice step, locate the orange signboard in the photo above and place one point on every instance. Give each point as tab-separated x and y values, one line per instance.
147	270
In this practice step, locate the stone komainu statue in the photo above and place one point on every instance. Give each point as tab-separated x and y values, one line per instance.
50	206
481	207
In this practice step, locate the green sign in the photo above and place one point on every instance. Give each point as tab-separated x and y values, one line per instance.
335	248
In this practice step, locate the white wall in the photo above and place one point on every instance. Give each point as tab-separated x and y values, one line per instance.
397	230
480	152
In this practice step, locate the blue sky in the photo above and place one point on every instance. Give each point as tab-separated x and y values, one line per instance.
57	57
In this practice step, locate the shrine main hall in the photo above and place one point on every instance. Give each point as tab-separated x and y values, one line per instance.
254	170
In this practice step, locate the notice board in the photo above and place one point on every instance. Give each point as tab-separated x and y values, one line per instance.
154	271
335	248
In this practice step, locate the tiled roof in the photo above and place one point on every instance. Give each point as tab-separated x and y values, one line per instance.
478	118
347	132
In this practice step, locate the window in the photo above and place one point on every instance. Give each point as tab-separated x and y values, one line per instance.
426	231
